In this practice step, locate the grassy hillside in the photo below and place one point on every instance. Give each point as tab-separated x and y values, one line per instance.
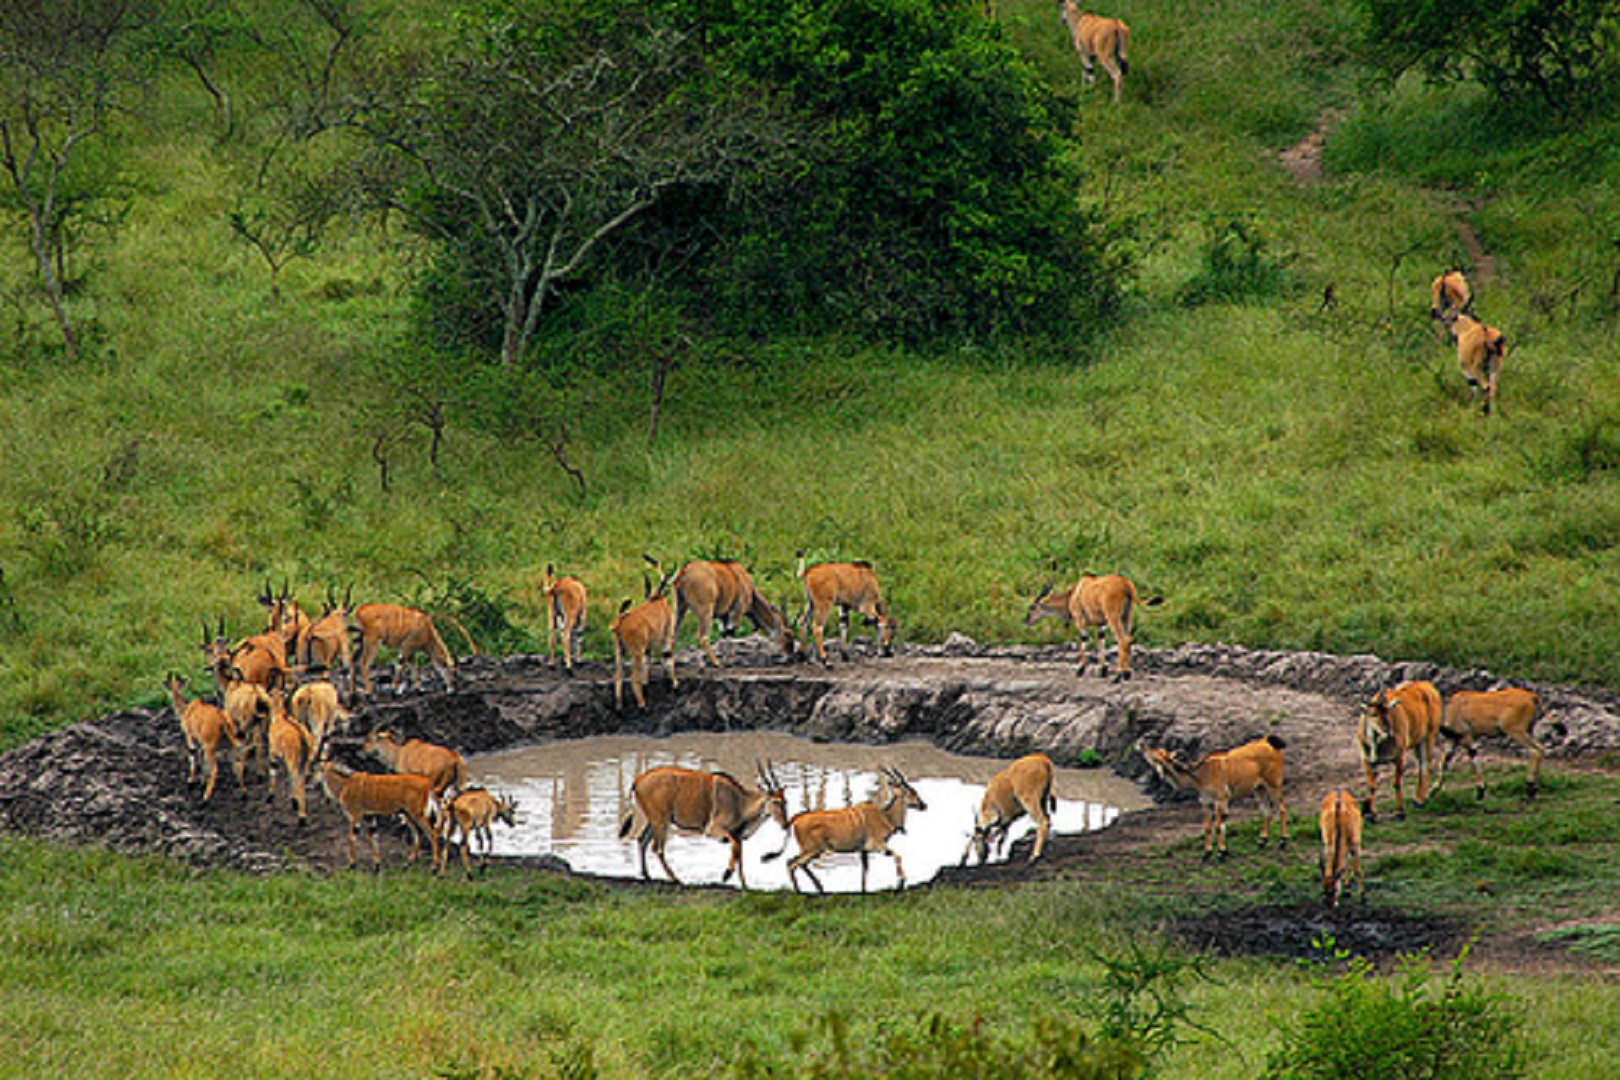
1288	476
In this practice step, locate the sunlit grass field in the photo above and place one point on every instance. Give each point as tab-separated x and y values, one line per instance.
1288	474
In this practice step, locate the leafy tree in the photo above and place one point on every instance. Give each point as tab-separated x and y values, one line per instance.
537	135
66	70
1566	53
937	194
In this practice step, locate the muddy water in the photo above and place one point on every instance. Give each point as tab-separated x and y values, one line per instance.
572	794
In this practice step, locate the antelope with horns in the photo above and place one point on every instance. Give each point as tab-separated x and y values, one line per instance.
324	644
1396	722
864	828
712	803
636	631
1221	777
472	813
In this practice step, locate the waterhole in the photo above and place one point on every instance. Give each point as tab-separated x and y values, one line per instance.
572	795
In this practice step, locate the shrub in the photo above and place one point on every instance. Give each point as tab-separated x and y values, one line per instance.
1371	1028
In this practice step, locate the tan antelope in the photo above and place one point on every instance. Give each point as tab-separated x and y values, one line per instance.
712	803
1340	821
848	586
725	590
1221	777
257	659
318	707
324	645
1024	787
1396	722
864	829
1099	40
284	616
443	767
248	706
408	629
1480	352
1478	714
293	746
363	797
565	615
1449	294
1107	601
636	631
472	813
205	727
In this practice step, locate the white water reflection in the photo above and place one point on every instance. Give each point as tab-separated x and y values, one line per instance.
572	794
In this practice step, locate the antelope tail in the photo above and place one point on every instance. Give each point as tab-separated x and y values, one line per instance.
624	826
1121	47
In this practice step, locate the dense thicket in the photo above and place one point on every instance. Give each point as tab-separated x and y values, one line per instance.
884	167
1565	54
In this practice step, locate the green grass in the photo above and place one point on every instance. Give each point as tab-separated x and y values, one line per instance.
116	966
1287	477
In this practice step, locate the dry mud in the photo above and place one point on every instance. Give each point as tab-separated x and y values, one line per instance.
120	781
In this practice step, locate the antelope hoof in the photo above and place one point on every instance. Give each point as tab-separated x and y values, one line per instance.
1207	855
1220	856
1400	815
1479	794
1531	789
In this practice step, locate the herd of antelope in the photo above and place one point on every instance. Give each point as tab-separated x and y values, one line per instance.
1394	723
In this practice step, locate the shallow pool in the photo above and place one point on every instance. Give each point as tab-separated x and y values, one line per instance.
572	795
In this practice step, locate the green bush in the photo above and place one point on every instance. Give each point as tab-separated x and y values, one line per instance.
1401	1028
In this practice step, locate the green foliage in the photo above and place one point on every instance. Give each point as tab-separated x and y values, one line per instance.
1563	54
1402	1029
939	1049
1235	265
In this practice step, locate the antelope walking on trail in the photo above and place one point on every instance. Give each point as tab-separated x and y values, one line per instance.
1480	352
1221	777
1396	722
1108	603
1471	715
1099	39
1024	787
205	727
725	590
565	599
1450	294
848	586
1340	821
636	630
363	797
712	803
864	828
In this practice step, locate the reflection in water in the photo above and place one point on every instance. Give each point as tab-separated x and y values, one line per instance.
572	795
